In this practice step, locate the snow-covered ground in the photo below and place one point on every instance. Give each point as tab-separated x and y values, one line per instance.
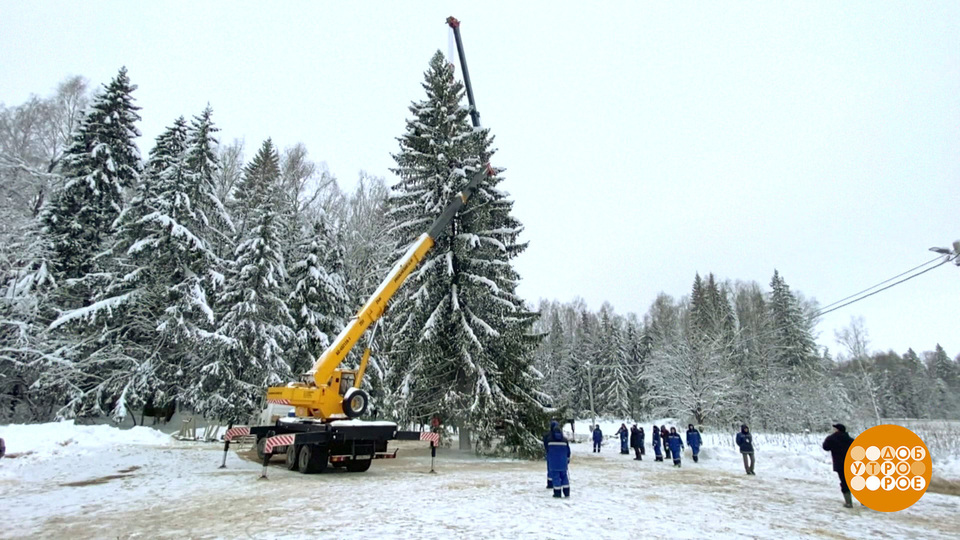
101	482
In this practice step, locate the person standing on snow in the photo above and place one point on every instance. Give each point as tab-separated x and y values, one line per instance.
558	459
623	432
636	442
694	441
676	445
745	442
655	441
663	440
546	440
837	443
597	438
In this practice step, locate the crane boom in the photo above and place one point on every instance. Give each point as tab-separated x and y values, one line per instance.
377	303
324	398
453	23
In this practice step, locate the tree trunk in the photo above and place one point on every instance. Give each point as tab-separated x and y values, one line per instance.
465	443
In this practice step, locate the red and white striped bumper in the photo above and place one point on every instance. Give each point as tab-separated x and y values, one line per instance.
233	433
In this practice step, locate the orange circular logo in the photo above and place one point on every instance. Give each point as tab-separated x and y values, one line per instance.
888	468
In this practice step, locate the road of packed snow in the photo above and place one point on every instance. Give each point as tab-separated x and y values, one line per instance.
101	482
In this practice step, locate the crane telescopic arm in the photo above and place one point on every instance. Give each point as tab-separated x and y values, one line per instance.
453	23
374	307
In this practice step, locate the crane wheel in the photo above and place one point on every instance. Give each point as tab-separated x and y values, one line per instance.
355	403
359	465
291	456
312	458
261	444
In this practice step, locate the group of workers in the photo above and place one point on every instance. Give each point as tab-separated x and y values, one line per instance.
670	441
558	451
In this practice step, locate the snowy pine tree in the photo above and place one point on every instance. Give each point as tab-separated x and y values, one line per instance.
637	350
318	301
615	380
460	339
147	326
256	326
99	165
793	335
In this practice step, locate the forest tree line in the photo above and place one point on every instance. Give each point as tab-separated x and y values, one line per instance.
201	272
735	352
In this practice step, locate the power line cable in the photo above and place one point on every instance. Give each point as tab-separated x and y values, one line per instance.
824	312
879	284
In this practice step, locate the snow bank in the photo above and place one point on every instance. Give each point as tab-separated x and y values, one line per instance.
948	470
42	441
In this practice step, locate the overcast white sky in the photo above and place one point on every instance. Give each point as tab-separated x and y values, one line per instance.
644	141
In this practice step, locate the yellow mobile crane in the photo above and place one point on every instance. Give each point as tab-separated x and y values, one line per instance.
329	399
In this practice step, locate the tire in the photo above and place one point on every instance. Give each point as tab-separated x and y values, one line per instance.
261	444
291	456
359	465
355	403
312	458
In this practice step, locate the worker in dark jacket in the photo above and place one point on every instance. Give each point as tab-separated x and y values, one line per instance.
676	446
694	441
745	442
597	438
636	442
663	440
837	443
655	441
558	459
624	433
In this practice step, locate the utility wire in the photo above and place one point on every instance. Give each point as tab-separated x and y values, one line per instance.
828	306
825	311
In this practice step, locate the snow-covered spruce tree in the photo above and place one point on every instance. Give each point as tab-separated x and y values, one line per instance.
580	372
945	383
637	350
21	332
795	346
318	301
460	333
795	350
916	397
152	320
614	380
256	326
555	361
195	223
99	165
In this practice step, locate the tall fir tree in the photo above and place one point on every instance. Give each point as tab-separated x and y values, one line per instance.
101	162
318	301
615	380
795	346
148	324
256	326
461	334
945	383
